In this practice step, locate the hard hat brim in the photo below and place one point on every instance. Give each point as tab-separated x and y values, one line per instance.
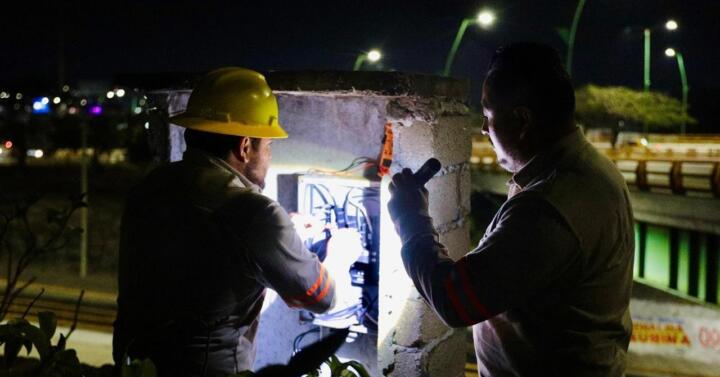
262	131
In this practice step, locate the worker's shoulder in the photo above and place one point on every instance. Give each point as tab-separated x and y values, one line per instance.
586	176
241	200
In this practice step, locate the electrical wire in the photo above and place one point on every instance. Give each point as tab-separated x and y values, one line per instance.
299	338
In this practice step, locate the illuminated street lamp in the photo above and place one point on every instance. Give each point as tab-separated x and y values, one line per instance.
670	25
373	56
484	19
671	52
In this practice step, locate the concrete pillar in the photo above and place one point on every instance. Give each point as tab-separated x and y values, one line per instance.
419	344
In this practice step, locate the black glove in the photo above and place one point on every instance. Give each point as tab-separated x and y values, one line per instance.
408	205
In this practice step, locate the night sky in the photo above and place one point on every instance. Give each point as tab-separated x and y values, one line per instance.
102	39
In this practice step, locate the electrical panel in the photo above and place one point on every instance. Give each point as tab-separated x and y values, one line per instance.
341	202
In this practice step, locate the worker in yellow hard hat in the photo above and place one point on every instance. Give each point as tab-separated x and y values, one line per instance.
200	244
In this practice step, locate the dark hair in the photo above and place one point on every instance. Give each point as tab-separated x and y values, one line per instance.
216	145
532	75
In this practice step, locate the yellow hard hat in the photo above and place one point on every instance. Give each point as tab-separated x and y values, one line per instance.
233	101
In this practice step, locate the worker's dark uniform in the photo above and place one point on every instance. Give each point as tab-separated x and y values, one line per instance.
548	287
199	246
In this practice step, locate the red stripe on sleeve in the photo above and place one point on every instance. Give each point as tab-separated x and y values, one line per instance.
467	288
456	301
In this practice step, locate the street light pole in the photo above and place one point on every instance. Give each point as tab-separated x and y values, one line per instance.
646	66
670	52
484	19
571	37
358	62
455	45
372	56
685	90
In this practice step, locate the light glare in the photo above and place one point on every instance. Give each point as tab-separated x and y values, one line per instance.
56	100
120	93
110	94
671	25
670	52
486	18
374	55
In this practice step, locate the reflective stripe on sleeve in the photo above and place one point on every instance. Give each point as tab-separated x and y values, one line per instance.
461	266
310	297
455	300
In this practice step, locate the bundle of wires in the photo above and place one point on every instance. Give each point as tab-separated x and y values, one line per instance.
299	338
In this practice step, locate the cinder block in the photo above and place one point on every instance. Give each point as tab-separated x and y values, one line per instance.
412	146
465	188
452	141
408	363
420	327
446	195
447	358
457	241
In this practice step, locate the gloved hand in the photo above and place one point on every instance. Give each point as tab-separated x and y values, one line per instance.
408	205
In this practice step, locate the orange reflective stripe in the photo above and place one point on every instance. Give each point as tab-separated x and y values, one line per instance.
456	301
467	288
308	298
325	290
317	283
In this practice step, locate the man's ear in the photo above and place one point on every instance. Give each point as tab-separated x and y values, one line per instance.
242	149
524	116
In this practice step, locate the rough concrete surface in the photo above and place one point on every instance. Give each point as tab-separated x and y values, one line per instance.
426	326
457	241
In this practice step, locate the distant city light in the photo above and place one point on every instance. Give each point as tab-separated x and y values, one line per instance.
4	95
72	110
486	18
374	55
147	125
8	144
18	96
110	94
137	110
96	110
141	102
37	153
66	88
83	102
671	25
120	93
40	105
670	52
56	100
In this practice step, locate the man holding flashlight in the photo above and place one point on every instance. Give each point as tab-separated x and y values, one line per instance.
547	289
